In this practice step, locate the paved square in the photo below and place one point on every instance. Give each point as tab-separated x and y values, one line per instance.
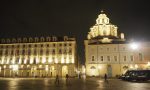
74	84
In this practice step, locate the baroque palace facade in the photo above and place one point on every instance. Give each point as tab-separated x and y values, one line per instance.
38	57
107	51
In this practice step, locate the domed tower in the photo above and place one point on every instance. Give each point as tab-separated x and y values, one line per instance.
104	31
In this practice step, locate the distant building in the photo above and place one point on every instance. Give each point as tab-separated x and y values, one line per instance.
38	57
107	51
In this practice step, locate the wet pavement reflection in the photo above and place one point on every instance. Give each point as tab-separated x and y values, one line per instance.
74	84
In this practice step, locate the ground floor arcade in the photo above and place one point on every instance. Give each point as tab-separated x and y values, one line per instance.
112	70
37	70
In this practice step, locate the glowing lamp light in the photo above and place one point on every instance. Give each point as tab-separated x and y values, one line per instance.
136	66
44	60
56	61
131	67
53	68
99	67
15	67
148	63
46	67
50	60
72	60
134	46
62	60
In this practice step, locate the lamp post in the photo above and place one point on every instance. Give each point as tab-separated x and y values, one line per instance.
134	46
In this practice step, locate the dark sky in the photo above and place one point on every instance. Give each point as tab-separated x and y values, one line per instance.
21	18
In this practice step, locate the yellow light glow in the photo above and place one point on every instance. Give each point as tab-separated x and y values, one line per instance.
40	66
136	66
50	60
2	60
44	60
67	60
62	60
37	60
53	68
4	66
25	61
72	60
28	66
148	63
7	61
15	67
56	61
20	61
131	67
46	67
99	67
10	66
31	60
35	68
21	66
13	60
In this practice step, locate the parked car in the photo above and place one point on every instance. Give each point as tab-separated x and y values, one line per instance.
136	75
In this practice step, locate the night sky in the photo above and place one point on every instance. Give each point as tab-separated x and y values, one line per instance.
24	18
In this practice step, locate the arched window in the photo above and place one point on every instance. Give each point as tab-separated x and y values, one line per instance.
42	39
8	40
30	39
92	67
25	40
48	39
65	38
19	40
36	39
14	40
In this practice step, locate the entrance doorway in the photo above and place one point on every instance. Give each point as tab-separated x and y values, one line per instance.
64	71
109	70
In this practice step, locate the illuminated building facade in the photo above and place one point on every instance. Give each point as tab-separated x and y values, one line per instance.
38	57
107	51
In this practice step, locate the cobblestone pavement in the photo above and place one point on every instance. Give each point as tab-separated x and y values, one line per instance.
73	84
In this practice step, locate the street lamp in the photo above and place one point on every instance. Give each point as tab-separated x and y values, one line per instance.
134	46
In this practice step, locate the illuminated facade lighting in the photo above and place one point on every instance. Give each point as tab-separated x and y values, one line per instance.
107	47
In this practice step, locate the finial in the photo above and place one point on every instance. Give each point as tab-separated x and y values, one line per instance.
102	11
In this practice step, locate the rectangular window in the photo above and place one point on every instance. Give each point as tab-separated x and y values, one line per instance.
107	49
53	52
108	58
102	58
124	58
60	52
92	58
115	58
140	56
131	57
47	52
54	45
